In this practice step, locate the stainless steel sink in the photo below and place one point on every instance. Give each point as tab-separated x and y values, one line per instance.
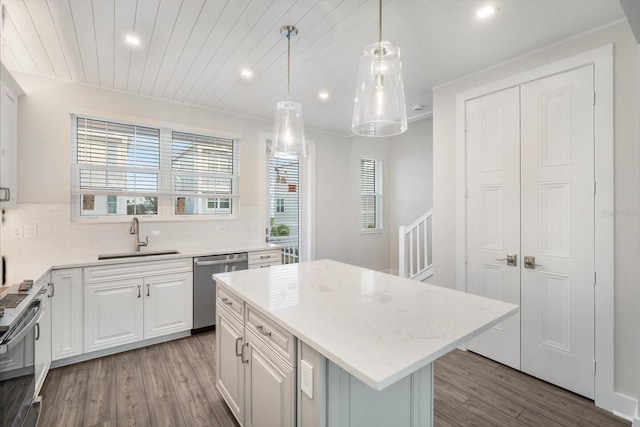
137	254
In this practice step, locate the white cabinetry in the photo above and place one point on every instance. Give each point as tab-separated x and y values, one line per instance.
114	313
266	258
126	303
8	146
42	354
269	387
66	297
256	359
168	304
229	342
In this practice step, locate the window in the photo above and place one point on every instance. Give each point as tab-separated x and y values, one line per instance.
204	165
371	195
112	205
124	169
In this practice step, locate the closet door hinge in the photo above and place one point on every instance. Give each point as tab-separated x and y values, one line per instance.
595	187
594	367
595	278
594	98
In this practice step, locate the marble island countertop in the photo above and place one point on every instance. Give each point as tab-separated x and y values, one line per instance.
378	327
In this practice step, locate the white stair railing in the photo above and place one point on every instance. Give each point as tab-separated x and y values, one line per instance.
415	261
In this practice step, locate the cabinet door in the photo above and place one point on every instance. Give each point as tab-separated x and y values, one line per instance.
43	344
67	319
168	304
113	313
230	370
8	145
269	387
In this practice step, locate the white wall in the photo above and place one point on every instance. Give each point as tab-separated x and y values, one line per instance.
338	186
44	182
627	178
411	180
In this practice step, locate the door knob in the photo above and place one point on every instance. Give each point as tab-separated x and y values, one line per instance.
530	262
512	259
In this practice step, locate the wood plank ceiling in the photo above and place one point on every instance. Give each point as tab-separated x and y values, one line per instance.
192	51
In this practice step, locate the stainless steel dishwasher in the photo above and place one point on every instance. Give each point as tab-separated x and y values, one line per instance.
204	288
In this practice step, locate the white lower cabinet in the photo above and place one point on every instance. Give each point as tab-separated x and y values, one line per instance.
42	354
67	320
168	304
128	310
270	384
113	314
258	384
229	345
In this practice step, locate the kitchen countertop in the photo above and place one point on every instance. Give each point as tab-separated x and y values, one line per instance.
378	327
62	261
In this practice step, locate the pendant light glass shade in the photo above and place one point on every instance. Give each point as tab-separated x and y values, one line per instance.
379	106
288	130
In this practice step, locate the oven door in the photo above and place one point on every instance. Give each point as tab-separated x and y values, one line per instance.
17	373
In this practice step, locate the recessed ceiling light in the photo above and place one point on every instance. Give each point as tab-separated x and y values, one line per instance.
486	11
133	40
247	74
323	95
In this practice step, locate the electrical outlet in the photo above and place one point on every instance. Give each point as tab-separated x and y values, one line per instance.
16	232
306	378
30	231
222	228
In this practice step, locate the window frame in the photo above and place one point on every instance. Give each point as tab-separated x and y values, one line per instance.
378	195
167	198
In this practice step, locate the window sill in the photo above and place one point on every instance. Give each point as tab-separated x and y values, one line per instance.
372	231
151	219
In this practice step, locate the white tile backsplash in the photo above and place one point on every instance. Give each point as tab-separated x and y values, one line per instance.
59	241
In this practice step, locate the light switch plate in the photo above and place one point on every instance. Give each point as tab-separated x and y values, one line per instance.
30	231
306	378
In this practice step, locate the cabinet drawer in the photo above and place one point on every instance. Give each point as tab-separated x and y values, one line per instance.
264	264
231	302
265	256
104	273
277	338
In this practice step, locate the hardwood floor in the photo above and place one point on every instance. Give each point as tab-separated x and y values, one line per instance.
172	384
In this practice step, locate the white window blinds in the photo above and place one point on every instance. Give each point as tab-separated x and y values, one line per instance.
204	165
116	158
127	169
371	194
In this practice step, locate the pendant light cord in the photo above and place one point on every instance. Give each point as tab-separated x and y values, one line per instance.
380	24
289	65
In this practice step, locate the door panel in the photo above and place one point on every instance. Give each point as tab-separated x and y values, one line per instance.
558	229
168	304
230	370
493	214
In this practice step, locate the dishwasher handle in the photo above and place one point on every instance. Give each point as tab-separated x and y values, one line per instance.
220	262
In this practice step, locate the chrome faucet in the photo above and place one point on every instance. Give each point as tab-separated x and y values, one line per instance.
135	229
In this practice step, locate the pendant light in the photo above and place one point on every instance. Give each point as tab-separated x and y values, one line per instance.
288	130
379	106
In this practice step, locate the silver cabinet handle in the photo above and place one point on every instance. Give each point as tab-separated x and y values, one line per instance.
242	354
226	301
37	331
148	292
238	353
265	256
138	291
53	290
263	331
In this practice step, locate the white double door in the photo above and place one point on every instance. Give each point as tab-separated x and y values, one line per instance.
530	193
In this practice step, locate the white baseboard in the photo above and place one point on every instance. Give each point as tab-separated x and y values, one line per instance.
622	406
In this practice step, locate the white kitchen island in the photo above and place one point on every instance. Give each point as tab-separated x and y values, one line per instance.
324	343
